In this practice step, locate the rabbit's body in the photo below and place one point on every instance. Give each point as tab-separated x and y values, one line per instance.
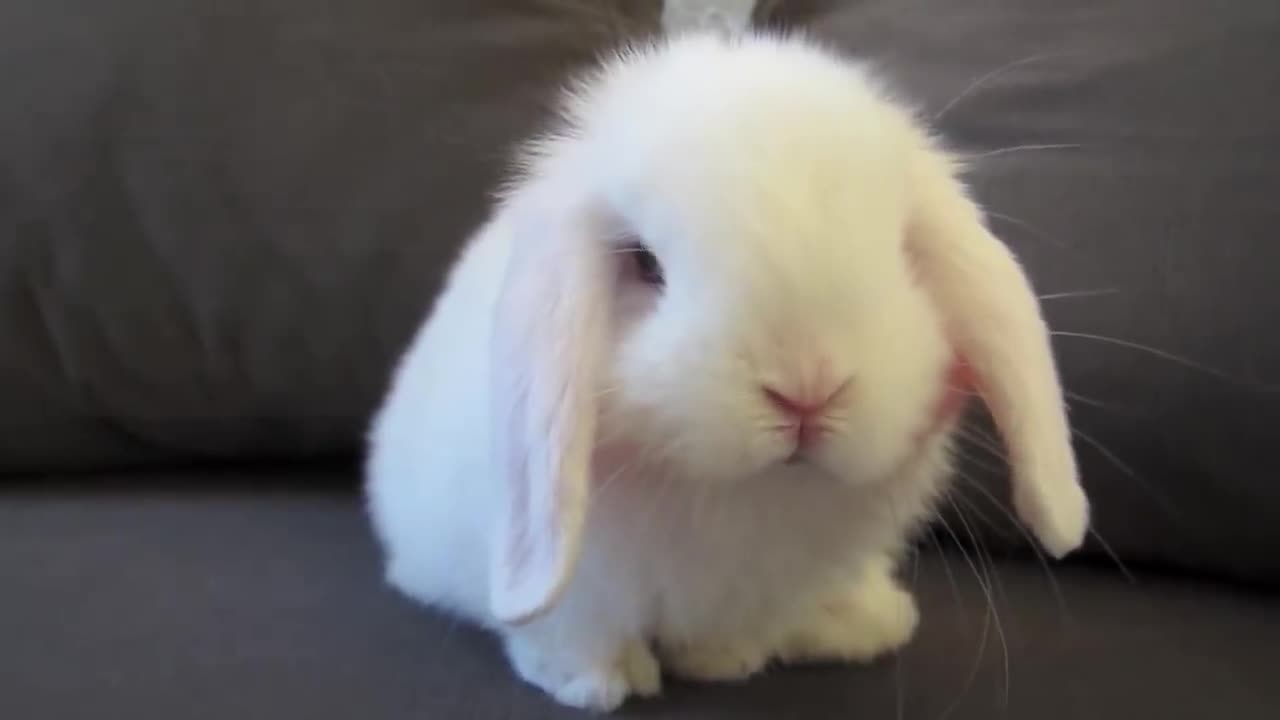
667	562
686	396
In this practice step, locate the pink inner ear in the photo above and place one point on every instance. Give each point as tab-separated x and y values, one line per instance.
959	384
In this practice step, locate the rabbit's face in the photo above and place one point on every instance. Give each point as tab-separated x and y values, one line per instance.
785	248
767	312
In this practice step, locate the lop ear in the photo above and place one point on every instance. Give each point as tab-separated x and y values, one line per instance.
994	321
549	333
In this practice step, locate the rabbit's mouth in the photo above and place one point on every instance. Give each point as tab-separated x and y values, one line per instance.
806	437
797	457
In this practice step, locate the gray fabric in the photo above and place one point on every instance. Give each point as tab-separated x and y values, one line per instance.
247	597
1166	194
221	219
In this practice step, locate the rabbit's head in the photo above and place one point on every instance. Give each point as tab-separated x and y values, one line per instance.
741	257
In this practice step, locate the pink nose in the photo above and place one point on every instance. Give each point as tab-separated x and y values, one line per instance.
804	411
801	406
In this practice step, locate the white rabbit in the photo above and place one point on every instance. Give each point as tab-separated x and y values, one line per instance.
689	391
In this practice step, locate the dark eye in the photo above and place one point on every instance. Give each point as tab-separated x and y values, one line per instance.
646	264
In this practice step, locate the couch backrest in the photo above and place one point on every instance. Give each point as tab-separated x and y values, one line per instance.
220	221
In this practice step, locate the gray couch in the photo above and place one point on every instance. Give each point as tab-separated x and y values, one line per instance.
221	219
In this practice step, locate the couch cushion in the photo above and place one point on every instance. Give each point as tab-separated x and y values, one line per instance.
220	220
1130	147
244	596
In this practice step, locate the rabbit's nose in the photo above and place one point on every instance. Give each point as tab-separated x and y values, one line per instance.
803	410
805	405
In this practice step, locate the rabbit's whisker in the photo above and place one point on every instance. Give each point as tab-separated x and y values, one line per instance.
1165	503
1080	294
1166	355
990	616
1023	148
988	77
1039	233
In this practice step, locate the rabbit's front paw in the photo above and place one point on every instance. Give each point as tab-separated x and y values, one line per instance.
599	687
858	622
714	661
641	669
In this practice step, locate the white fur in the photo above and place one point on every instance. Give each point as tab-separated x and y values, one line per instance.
779	188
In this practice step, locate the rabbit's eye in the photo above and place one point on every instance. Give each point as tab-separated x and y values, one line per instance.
646	264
